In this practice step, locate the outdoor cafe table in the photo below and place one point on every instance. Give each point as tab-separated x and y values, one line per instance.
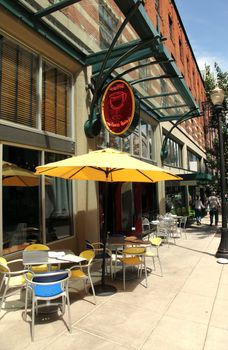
49	257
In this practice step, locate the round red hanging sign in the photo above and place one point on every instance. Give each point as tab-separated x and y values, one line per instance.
118	107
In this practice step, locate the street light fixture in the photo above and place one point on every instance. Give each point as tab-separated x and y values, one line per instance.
217	98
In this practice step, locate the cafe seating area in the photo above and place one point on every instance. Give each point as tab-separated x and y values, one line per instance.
99	325
130	262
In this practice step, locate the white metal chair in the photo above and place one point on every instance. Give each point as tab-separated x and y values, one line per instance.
152	253
82	271
48	287
10	279
182	226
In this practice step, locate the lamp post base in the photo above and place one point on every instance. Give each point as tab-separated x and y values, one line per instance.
222	251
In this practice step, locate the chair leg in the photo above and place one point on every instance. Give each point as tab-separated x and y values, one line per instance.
4	295
92	287
68	310
123	276
160	265
144	263
26	304
33	318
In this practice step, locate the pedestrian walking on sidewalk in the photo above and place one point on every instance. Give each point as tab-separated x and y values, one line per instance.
198	210
214	205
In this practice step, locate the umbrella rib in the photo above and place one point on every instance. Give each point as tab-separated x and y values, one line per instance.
145	175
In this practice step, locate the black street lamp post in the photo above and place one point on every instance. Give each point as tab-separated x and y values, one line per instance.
217	98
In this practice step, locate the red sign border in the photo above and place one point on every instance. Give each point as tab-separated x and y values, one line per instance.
131	118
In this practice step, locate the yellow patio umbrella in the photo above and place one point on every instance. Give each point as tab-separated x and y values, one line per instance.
13	175
107	165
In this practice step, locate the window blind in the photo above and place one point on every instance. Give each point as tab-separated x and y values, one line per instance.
56	100
18	84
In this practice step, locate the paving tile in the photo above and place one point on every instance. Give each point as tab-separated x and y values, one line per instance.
120	322
219	317
191	307
80	340
217	339
174	334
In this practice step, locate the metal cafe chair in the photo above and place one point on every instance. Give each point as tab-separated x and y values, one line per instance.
155	242
48	287
10	279
134	256
82	270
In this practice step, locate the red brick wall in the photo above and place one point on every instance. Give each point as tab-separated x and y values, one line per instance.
185	62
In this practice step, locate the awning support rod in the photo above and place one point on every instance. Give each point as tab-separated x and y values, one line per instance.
169	107
159	95
142	65
186	116
164	76
100	80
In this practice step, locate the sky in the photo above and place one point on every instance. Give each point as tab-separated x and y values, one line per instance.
206	24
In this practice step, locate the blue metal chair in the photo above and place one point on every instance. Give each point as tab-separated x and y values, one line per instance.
47	287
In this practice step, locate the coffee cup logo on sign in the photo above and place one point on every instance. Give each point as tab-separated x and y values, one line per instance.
118	108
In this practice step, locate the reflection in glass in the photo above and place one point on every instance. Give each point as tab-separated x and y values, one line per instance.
135	136
58	204
21	219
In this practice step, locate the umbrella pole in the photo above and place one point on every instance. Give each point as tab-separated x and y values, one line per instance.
104	289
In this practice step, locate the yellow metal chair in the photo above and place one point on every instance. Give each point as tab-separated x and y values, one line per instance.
134	256
10	279
149	253
98	248
82	270
43	267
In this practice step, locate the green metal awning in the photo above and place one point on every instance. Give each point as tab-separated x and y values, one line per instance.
159	84
199	177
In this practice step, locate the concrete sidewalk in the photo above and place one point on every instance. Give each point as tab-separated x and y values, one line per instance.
187	308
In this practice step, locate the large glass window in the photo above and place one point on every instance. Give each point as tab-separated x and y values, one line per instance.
139	143
58	204
20	100
22	205
174	156
56	100
18	83
21	213
193	161
146	140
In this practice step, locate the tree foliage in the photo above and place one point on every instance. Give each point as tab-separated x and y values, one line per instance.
220	79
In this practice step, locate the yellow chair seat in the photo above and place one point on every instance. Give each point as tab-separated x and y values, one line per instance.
156	241
17	281
149	254
135	260
77	274
134	250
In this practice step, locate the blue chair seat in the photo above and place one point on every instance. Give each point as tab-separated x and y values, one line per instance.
48	291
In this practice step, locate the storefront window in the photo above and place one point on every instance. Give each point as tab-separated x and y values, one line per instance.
174	157
18	84
21	214
20	98
58	204
136	142
22	205
193	161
